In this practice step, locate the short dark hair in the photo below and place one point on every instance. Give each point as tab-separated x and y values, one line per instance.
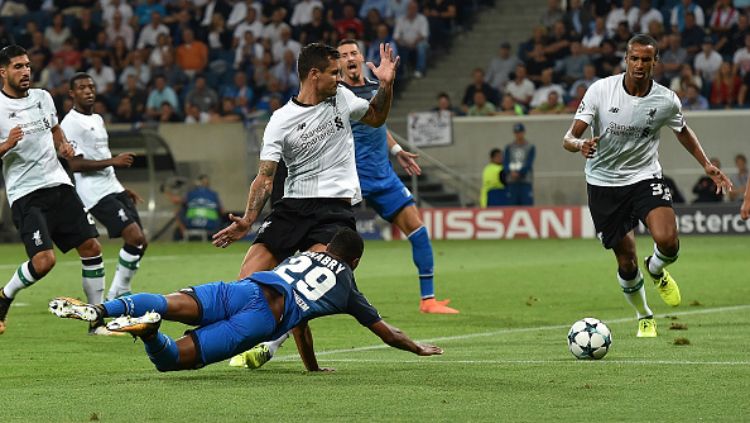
346	41
645	40
443	94
77	77
495	151
347	245
315	56
9	52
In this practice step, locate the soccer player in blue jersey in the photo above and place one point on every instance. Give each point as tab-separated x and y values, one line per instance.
381	187
232	317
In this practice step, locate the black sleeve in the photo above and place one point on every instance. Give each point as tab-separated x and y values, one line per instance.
361	309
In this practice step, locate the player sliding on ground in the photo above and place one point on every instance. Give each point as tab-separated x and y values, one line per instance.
626	113
233	317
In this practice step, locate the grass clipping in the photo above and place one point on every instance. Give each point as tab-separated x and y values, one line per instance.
681	341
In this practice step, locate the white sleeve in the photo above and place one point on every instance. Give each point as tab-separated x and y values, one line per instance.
50	109
677	121
273	141
589	105
356	106
72	133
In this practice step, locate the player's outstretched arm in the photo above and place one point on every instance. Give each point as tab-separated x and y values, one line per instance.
303	338
689	140
79	164
393	336
61	142
380	105
406	159
260	190
573	141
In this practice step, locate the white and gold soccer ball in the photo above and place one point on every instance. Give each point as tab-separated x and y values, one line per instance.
589	338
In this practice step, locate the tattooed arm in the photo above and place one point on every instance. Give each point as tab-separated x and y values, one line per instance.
260	190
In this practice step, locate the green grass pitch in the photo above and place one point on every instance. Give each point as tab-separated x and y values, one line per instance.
505	355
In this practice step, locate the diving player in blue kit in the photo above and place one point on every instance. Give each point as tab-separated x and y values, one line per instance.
232	317
381	187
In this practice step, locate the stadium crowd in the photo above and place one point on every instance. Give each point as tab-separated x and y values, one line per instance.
704	45
210	60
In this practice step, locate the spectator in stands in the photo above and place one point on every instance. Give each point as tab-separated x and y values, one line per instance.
677	17
118	28
70	54
509	107
57	75
349	22
578	18
743	99
381	6
241	9
622	36
303	13
723	18
501	66
162	48
656	30
248	52
37	71
167	113
441	15
608	60
160	93
145	12
627	13
22	37
541	94
318	30
692	98
372	21
741	58
201	211
708	61
137	95
57	33
725	88
286	73
103	76
480	106
85	30
192	54
411	34
538	36
124	111
739	179
237	90
520	87
737	38
272	30
674	56
137	67
552	14
11	8
692	36
398	9
576	99
679	83
193	114
705	188
588	78
518	166
150	33
645	15
592	42
552	105
251	23
537	63
571	67
382	36
558	44
478	84
444	105
493	182
285	43
202	96
113	8
227	112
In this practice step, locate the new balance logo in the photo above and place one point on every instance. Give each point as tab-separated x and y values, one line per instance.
37	237
614	110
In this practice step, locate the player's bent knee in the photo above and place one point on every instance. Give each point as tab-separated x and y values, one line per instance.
43	262
90	248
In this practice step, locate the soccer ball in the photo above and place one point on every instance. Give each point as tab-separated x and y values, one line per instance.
589	338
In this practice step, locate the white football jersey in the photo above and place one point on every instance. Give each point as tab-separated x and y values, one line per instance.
88	136
628	127
32	164
317	145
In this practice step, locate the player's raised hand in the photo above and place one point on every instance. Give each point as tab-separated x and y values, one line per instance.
236	231
723	184
14	136
386	72
123	160
408	161
745	209
427	349
588	148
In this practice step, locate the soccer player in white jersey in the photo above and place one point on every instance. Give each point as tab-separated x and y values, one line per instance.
623	174
45	207
313	136
96	182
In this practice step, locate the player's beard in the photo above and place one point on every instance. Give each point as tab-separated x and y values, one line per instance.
21	91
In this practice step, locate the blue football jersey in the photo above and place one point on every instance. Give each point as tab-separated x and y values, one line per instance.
314	285
370	144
